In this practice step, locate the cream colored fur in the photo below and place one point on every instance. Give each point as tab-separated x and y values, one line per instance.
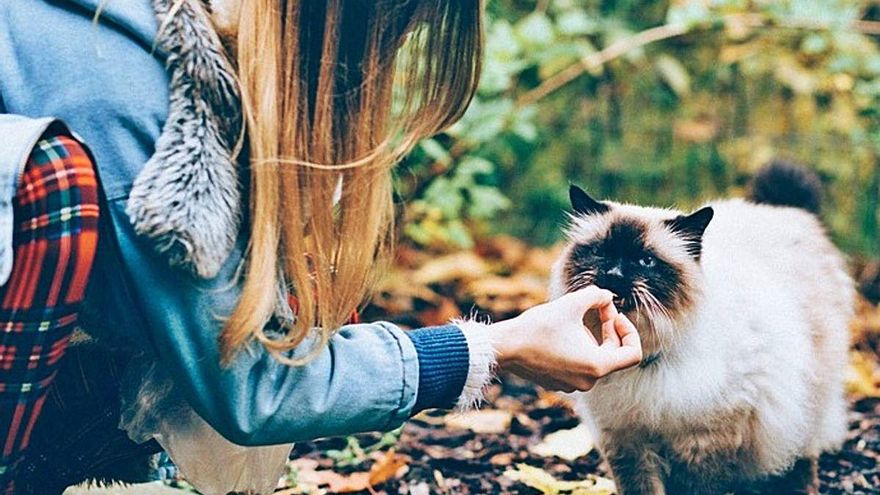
96	488
753	374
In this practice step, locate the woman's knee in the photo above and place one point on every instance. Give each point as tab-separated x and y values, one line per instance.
59	164
56	213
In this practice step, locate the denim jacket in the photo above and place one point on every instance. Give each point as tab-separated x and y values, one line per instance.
108	81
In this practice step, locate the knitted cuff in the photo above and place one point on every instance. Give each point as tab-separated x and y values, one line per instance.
482	363
456	363
443	365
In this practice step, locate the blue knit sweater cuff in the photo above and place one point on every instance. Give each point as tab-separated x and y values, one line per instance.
443	366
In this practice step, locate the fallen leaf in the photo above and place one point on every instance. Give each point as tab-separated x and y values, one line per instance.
428	418
509	250
539	260
440	315
481	421
565	444
863	375
547	484
462	265
440	480
502	459
547	399
388	465
420	489
504	295
866	324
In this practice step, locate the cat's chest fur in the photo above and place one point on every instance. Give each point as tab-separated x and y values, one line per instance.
720	365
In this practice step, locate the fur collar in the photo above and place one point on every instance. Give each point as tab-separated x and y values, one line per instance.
187	198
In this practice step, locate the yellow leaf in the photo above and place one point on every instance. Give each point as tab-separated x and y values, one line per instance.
312	480
462	265
566	444
481	421
547	484
863	375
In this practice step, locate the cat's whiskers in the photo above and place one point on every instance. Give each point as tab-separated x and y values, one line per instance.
658	316
580	280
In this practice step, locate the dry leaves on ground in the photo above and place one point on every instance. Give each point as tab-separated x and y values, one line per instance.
481	421
547	484
566	444
863	377
310	480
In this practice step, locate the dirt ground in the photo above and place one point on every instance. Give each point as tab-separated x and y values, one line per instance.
491	452
446	460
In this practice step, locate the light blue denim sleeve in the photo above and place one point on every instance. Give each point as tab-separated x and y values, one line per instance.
18	135
366	379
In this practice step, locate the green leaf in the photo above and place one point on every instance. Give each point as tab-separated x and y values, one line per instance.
484	120
576	23
474	165
502	43
689	13
524	125
674	74
485	202
535	30
458	235
561	56
444	195
814	44
435	150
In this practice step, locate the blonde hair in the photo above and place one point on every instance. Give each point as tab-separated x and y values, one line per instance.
334	93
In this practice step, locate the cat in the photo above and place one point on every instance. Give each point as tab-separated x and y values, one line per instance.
743	309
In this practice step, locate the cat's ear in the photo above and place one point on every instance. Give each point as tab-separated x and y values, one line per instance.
691	228
582	203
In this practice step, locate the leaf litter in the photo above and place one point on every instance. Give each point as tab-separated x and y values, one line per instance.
526	440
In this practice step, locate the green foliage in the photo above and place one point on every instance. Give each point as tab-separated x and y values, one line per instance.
671	122
354	454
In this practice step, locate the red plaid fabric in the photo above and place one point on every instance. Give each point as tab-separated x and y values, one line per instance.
54	240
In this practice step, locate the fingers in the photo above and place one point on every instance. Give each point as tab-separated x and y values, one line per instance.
629	335
608	311
627	351
607	314
588	298
630	351
610	339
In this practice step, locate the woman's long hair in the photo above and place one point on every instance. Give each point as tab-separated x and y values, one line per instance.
334	93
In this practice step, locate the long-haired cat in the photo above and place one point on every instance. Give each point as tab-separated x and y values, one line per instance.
743	309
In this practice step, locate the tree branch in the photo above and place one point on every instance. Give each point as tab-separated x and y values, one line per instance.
639	40
660	33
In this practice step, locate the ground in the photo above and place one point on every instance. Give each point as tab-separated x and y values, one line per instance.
454	460
521	426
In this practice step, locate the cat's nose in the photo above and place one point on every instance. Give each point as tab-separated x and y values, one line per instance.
615	272
614	281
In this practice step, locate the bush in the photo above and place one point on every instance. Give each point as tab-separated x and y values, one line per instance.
662	104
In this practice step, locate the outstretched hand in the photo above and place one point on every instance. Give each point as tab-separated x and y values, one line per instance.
549	344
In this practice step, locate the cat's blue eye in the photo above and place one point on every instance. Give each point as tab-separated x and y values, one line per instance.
647	261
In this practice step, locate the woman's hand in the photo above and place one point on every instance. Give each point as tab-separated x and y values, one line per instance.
549	344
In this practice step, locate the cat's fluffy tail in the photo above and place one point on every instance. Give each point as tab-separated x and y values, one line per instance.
785	183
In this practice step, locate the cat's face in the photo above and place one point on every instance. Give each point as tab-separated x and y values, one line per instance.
649	257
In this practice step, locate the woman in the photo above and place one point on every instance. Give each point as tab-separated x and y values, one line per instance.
243	152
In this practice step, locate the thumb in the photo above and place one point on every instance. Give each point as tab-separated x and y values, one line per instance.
579	302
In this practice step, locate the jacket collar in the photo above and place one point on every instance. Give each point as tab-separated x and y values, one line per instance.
186	200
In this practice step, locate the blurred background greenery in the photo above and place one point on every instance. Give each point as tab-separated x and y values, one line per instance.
654	102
